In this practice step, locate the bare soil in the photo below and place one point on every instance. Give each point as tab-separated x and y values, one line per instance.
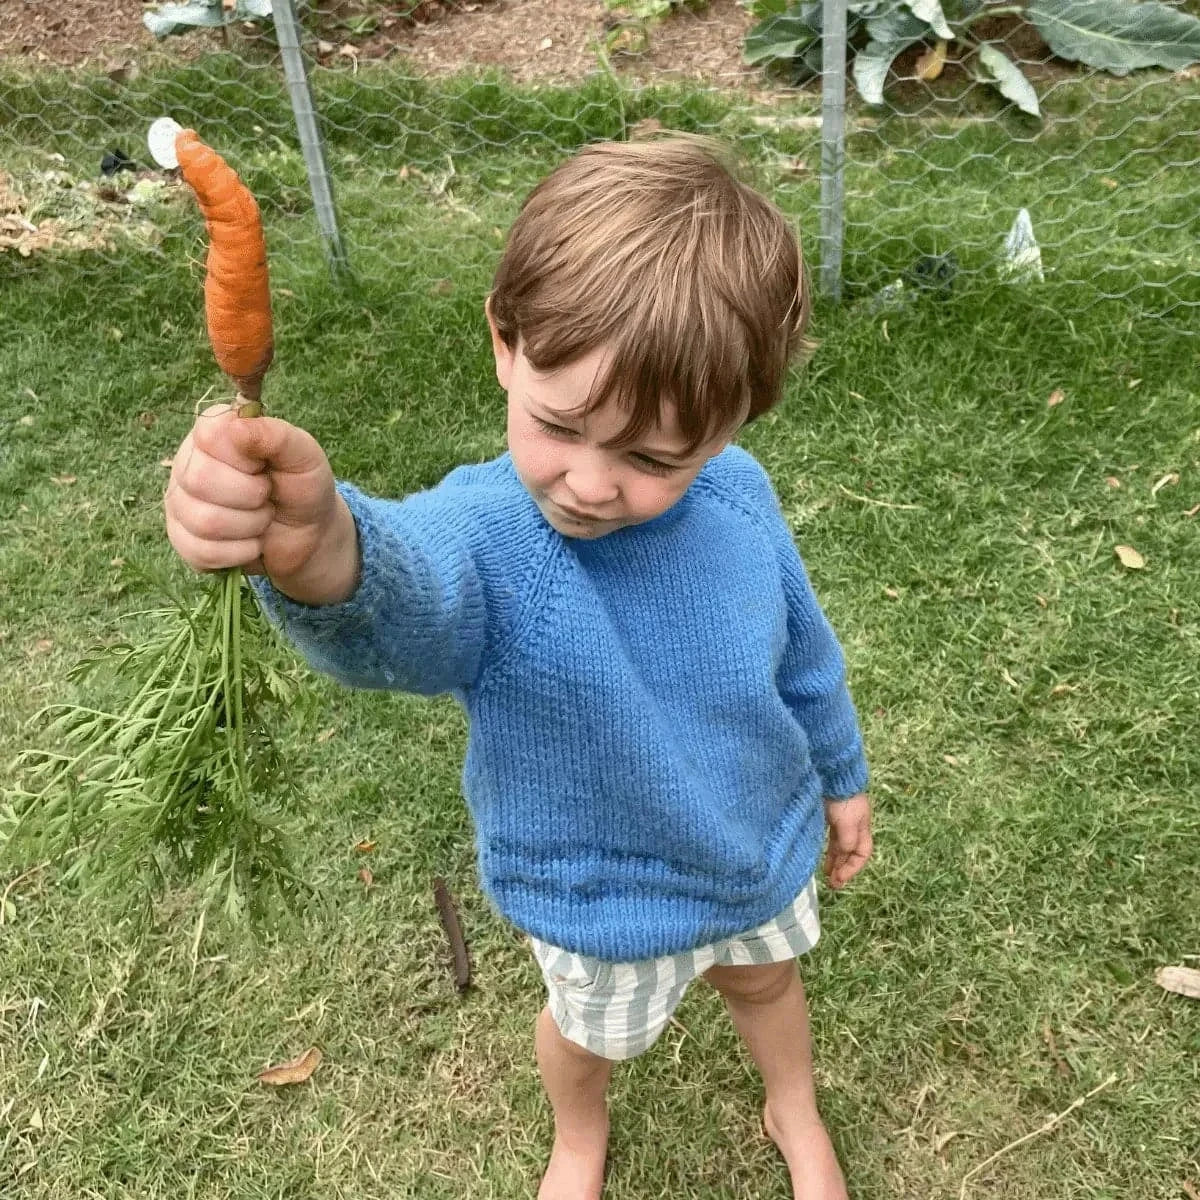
531	41
552	41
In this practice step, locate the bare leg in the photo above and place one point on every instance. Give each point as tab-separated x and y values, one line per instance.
769	1011
576	1081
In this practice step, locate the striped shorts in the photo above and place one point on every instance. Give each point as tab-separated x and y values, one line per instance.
618	1009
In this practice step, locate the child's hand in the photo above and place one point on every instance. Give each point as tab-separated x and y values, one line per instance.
850	842
258	493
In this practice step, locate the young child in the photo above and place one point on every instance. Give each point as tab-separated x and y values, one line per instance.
660	729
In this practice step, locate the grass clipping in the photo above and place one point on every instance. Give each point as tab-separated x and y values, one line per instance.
171	785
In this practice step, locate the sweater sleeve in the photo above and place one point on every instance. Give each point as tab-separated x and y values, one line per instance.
812	673
812	681
418	620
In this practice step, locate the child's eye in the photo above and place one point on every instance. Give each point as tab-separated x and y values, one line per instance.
653	465
559	431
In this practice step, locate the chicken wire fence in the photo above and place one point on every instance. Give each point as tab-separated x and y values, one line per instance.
964	173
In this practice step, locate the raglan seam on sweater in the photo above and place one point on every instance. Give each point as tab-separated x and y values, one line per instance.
538	591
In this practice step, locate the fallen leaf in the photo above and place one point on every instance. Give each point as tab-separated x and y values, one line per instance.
147	419
368	880
43	645
1042	602
891	593
1169	478
1062	689
63	480
326	734
1108	181
1183	980
1112	481
297	1071
1129	557
364	847
930	64
1133	383
1056	398
950	758
26	420
35	1121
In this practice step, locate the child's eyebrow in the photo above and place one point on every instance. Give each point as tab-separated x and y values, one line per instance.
651	452
540	407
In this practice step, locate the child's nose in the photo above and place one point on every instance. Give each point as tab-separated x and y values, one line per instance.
592	481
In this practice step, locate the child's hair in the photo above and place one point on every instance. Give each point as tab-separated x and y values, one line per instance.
658	251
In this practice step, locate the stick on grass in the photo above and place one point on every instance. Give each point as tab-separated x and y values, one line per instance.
1049	1125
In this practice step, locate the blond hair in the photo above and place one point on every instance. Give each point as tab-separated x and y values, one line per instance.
658	251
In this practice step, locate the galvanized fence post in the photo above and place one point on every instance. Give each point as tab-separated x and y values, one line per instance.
833	145
288	30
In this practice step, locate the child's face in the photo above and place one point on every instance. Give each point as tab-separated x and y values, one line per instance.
583	487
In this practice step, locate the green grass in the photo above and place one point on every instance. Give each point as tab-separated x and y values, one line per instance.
1030	708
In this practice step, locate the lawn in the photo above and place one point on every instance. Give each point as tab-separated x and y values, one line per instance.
957	471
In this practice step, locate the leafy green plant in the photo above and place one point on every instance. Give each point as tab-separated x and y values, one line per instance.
173	781
1117	36
631	21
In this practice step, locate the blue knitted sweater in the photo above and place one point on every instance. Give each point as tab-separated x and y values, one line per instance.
655	715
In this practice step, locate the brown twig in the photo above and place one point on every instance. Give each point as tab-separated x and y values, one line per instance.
12	883
450	923
1055	1120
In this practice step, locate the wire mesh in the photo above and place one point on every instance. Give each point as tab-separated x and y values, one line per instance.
427	168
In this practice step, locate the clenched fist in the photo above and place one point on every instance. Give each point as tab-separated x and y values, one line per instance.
258	493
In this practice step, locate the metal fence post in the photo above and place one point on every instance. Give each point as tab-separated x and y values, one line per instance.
833	144
288	30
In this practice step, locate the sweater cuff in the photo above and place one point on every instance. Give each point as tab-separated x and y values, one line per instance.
292	614
846	780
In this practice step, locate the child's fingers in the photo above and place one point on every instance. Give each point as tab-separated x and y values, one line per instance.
253	445
197	476
222	523
206	555
843	862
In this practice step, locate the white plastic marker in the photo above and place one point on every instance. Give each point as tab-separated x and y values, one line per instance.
161	140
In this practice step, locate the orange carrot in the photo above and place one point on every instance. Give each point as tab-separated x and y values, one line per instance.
237	296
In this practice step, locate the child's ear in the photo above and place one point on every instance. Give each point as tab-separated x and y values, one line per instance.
502	351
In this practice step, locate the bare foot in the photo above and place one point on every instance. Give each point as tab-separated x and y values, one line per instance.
576	1170
804	1143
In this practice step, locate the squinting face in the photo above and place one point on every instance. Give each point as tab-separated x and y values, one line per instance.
584	487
